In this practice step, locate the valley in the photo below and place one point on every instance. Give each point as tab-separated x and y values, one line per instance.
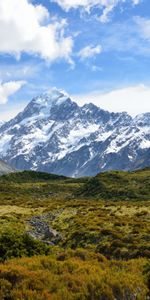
64	238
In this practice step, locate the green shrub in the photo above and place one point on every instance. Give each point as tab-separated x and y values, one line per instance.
19	245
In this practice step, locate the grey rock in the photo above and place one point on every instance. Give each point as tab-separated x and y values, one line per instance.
40	229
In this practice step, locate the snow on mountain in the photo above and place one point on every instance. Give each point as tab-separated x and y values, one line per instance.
1	123
54	134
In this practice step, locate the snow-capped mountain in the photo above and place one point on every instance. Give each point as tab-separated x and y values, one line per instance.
54	134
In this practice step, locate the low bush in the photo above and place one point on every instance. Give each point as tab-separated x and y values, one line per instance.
77	275
13	244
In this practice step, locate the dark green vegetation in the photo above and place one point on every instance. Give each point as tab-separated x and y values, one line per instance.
30	176
118	186
91	235
13	244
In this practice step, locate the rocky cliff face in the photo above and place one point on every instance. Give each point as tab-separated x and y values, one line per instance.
54	134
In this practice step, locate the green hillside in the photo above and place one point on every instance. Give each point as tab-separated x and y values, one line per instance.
75	239
30	176
118	185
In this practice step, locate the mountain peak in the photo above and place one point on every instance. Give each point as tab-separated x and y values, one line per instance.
54	134
43	105
52	97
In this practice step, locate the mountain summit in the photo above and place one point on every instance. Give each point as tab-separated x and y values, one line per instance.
54	134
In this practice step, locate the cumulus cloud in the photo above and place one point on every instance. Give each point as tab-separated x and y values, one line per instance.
9	88
134	99
89	51
106	5
25	27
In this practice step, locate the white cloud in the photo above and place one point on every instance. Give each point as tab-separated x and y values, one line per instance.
25	27
106	5
143	27
106	11
9	88
89	51
68	4
136	2
134	99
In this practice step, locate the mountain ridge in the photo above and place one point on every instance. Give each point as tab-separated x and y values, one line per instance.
55	135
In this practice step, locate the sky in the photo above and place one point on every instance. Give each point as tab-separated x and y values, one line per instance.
96	50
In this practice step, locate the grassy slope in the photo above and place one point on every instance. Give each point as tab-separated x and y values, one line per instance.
118	185
30	176
95	216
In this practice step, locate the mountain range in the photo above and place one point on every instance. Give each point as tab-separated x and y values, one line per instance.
54	134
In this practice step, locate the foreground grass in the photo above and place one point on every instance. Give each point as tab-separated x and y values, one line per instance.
68	275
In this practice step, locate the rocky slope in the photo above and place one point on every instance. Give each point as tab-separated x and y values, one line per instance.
4	168
54	134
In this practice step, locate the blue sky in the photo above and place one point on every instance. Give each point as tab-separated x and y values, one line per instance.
96	50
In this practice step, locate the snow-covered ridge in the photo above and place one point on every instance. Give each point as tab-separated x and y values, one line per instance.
54	134
52	97
1	123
